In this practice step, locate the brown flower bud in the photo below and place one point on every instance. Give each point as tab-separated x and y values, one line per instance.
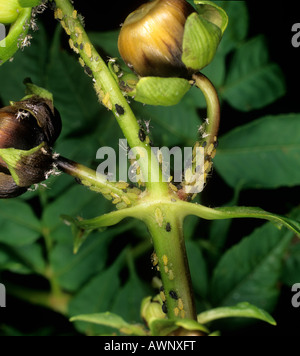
28	130
150	40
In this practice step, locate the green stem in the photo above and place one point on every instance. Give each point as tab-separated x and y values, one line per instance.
154	209
89	177
108	92
213	109
170	254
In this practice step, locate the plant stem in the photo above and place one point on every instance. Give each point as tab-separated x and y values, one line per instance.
170	253
165	224
213	108
108	91
87	176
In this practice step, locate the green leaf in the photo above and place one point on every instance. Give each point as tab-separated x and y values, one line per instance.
114	321
25	259
107	41
250	270
74	96
252	81
262	154
237	212
73	271
163	327
291	270
75	201
129	298
18	224
97	296
198	268
244	310
28	63
238	24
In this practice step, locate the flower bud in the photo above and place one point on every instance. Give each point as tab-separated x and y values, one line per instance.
28	130
167	38
151	309
150	40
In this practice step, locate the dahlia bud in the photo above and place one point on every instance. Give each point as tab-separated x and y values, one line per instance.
151	309
167	38
28	130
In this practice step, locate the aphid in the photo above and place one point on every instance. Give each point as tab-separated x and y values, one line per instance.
173	187
165	259
171	275
81	61
173	294
126	200
58	14
74	14
210	149
176	311
88	71
154	259
142	135
180	304
106	102
159	217
168	227
88	49
162	295
119	109
164	308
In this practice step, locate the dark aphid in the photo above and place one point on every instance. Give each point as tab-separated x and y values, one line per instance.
88	71
119	109
164	308
204	144
168	227
173	294
142	135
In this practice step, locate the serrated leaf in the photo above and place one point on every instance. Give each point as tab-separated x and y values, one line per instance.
250	270
25	259
252	81
96	296
198	268
28	63
237	28
73	271
74	96
18	224
262	154
114	321
245	310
